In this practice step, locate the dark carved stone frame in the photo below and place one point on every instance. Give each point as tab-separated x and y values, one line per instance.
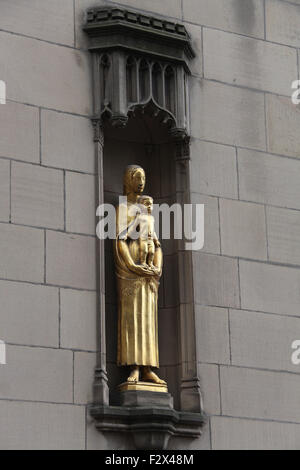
120	33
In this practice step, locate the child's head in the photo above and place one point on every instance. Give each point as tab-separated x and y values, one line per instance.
147	202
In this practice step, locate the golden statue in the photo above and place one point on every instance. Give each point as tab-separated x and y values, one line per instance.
138	261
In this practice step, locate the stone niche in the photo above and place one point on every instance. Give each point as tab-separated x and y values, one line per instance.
141	115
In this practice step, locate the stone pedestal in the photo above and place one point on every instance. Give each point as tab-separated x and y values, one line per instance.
140	398
149	416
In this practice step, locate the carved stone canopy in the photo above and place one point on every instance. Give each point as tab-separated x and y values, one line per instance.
114	27
140	62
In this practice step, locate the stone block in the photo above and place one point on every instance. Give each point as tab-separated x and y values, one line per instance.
29	314
211	222
212	332
270	288
248	434
46	75
228	115
230	15
260	394
201	443
283	235
213	169
21	253
210	388
215	280
263	341
67	142
4	190
248	62
84	371
282	20
37	196
196	65
71	260
143	398
41	426
50	21
81	203
37	374
19	132
283	120
243	229
269	179
78	319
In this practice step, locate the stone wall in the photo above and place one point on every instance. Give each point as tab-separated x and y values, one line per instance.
245	169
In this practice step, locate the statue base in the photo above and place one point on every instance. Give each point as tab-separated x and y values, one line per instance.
146	398
143	386
148	415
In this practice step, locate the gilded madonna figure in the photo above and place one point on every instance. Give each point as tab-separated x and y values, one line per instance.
137	283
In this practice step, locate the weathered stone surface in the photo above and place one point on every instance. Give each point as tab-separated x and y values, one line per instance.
19	132
29	314
152	6
260	394
44	20
37	196
78	319
284	235
211	222
202	443
212	332
270	288
283	120
210	387
213	169
263	341
40	374
243	229
282	22
71	260
84	369
143	398
268	179
21	253
106	441
111	320
4	190
246	434
228	115
168	346
80	203
215	280
248	62
230	15
170	279
81	6
67	142
195	32
58	78
171	375
41	426
45	74
156	6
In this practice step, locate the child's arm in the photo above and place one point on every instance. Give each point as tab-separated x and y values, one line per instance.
131	230
156	241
